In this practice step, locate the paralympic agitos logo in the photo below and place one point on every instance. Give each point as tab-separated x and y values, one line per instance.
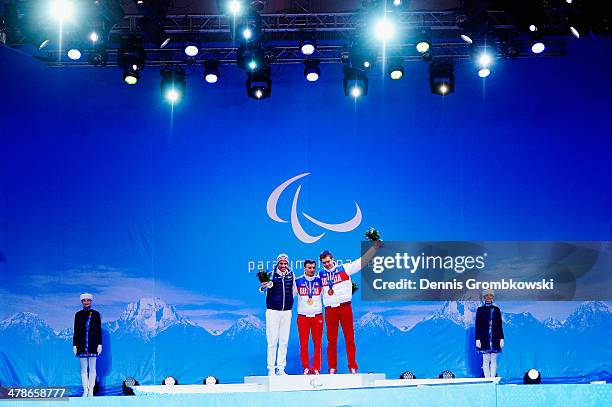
298	230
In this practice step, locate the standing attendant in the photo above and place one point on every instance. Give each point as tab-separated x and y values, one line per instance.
489	333
87	342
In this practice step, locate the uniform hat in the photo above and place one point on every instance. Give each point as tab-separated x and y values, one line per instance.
282	256
488	291
86	296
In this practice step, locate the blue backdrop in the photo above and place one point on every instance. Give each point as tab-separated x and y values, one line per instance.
161	213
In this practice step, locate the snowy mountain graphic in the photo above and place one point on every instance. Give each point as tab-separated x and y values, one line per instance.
147	318
151	340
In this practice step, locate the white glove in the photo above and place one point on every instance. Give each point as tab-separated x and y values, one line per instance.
501	343
99	349
74	350
478	344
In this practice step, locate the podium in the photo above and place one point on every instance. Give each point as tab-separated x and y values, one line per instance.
314	382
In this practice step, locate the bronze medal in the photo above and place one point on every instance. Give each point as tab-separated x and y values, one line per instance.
330	291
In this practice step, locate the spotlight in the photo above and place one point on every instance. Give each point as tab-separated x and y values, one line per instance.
173	88
307	47
441	78
191	50
532	376
574	31
423	41
396	70
74	54
447	374
131	57
259	84
312	70
537	46
250	56
407	376
94	37
355	82
170	381
397	3
234	7
210	380
484	61
61	10
153	31
127	385
211	71
247	33
384	29
533	28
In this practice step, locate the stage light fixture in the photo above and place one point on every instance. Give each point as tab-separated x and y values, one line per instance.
210	380
191	49
397	3
423	41
62	10
307	47
396	69
259	84
173	84
93	36
127	385
537	46
312	70
211	71
355	82
250	56
483	62
74	54
533	28
441	78
407	375
154	31
234	7
131	57
170	381
532	376
447	374
384	29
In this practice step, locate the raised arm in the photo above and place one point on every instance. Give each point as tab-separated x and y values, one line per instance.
360	263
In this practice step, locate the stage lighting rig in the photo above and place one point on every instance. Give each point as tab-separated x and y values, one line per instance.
407	375
532	376
170	381
396	69
312	70
131	57
211	72
441	78
210	380
447	374
355	82
173	84
127	385
259	83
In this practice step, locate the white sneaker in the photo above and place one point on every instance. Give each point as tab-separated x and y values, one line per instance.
272	372
281	372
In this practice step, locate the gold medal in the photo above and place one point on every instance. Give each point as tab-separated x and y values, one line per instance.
330	291
309	302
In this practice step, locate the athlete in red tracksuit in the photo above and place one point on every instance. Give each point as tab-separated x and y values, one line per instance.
337	296
310	316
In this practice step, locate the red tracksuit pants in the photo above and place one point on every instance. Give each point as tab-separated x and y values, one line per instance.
342	315
306	325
